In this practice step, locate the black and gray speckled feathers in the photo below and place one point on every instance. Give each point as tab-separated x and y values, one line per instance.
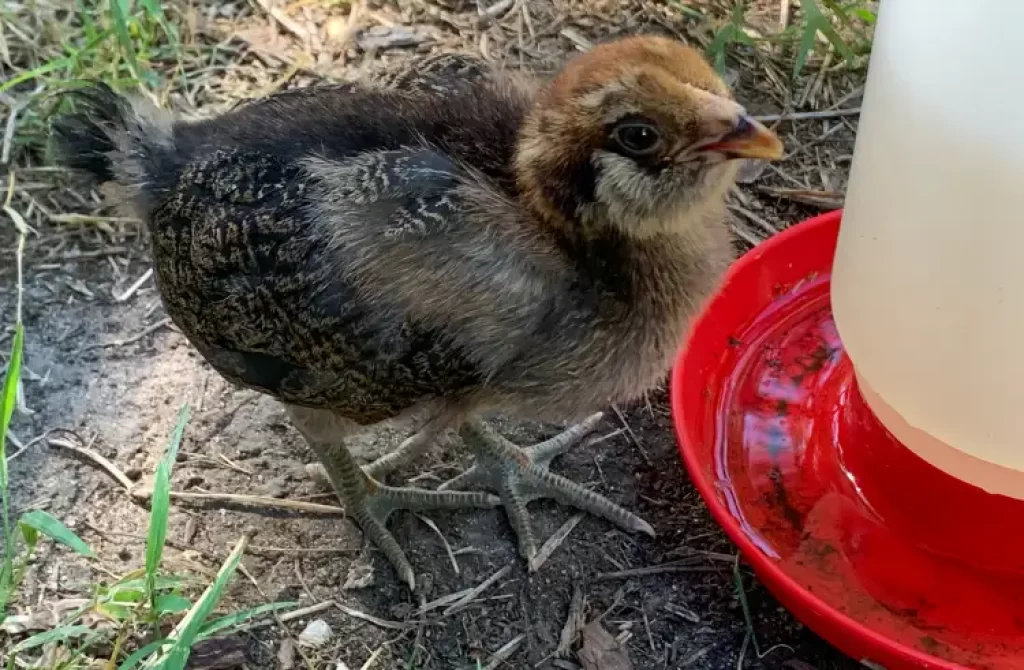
365	249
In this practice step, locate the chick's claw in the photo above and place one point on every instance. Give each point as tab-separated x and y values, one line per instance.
370	503
521	475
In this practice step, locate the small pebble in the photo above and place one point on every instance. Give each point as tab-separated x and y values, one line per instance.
278	488
316	634
248	452
336	27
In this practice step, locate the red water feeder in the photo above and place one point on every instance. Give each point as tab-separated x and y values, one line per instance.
890	559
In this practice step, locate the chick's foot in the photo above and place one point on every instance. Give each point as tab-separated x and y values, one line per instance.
368	502
521	475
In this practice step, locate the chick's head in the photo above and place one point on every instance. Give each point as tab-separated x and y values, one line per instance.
640	134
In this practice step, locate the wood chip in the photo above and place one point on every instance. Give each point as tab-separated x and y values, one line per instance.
384	37
222	653
286	655
600	651
573	623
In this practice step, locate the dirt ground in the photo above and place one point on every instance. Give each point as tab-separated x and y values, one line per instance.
110	374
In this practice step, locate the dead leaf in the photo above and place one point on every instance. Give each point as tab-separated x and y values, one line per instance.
600	651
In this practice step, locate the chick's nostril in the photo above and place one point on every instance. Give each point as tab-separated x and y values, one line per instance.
743	127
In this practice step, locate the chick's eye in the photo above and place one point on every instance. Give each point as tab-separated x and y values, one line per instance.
637	139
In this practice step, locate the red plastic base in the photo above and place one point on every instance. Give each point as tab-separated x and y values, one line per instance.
888	558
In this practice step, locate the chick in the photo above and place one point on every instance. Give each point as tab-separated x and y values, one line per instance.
460	242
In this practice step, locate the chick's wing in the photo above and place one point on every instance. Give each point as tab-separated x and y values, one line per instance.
364	284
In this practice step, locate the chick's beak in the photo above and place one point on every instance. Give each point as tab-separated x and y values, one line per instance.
749	139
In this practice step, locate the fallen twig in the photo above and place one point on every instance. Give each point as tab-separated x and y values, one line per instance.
96	458
554	542
806	116
377	621
477	590
131	290
149	330
258	501
506	650
654	570
820	199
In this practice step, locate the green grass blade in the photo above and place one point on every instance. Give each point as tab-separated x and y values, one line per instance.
8	399
814	22
161	504
865	15
156	11
186	633
172	603
162	583
685	8
124	37
85	16
55	530
807	39
45	68
142	653
237	619
58	634
741	593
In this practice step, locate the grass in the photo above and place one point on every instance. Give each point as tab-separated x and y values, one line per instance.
822	25
130	44
142	600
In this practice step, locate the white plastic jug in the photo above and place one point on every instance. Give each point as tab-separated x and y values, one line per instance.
928	281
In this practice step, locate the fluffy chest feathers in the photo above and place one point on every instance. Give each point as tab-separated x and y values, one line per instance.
555	327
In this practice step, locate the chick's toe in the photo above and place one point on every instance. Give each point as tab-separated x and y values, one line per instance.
521	475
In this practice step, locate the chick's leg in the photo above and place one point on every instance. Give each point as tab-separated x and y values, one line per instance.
410	448
521	475
368	502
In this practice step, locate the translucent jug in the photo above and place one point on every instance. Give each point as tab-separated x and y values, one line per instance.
928	281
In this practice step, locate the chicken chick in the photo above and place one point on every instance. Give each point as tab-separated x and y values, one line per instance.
461	242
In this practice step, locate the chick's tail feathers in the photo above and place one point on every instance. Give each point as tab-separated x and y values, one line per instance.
116	139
